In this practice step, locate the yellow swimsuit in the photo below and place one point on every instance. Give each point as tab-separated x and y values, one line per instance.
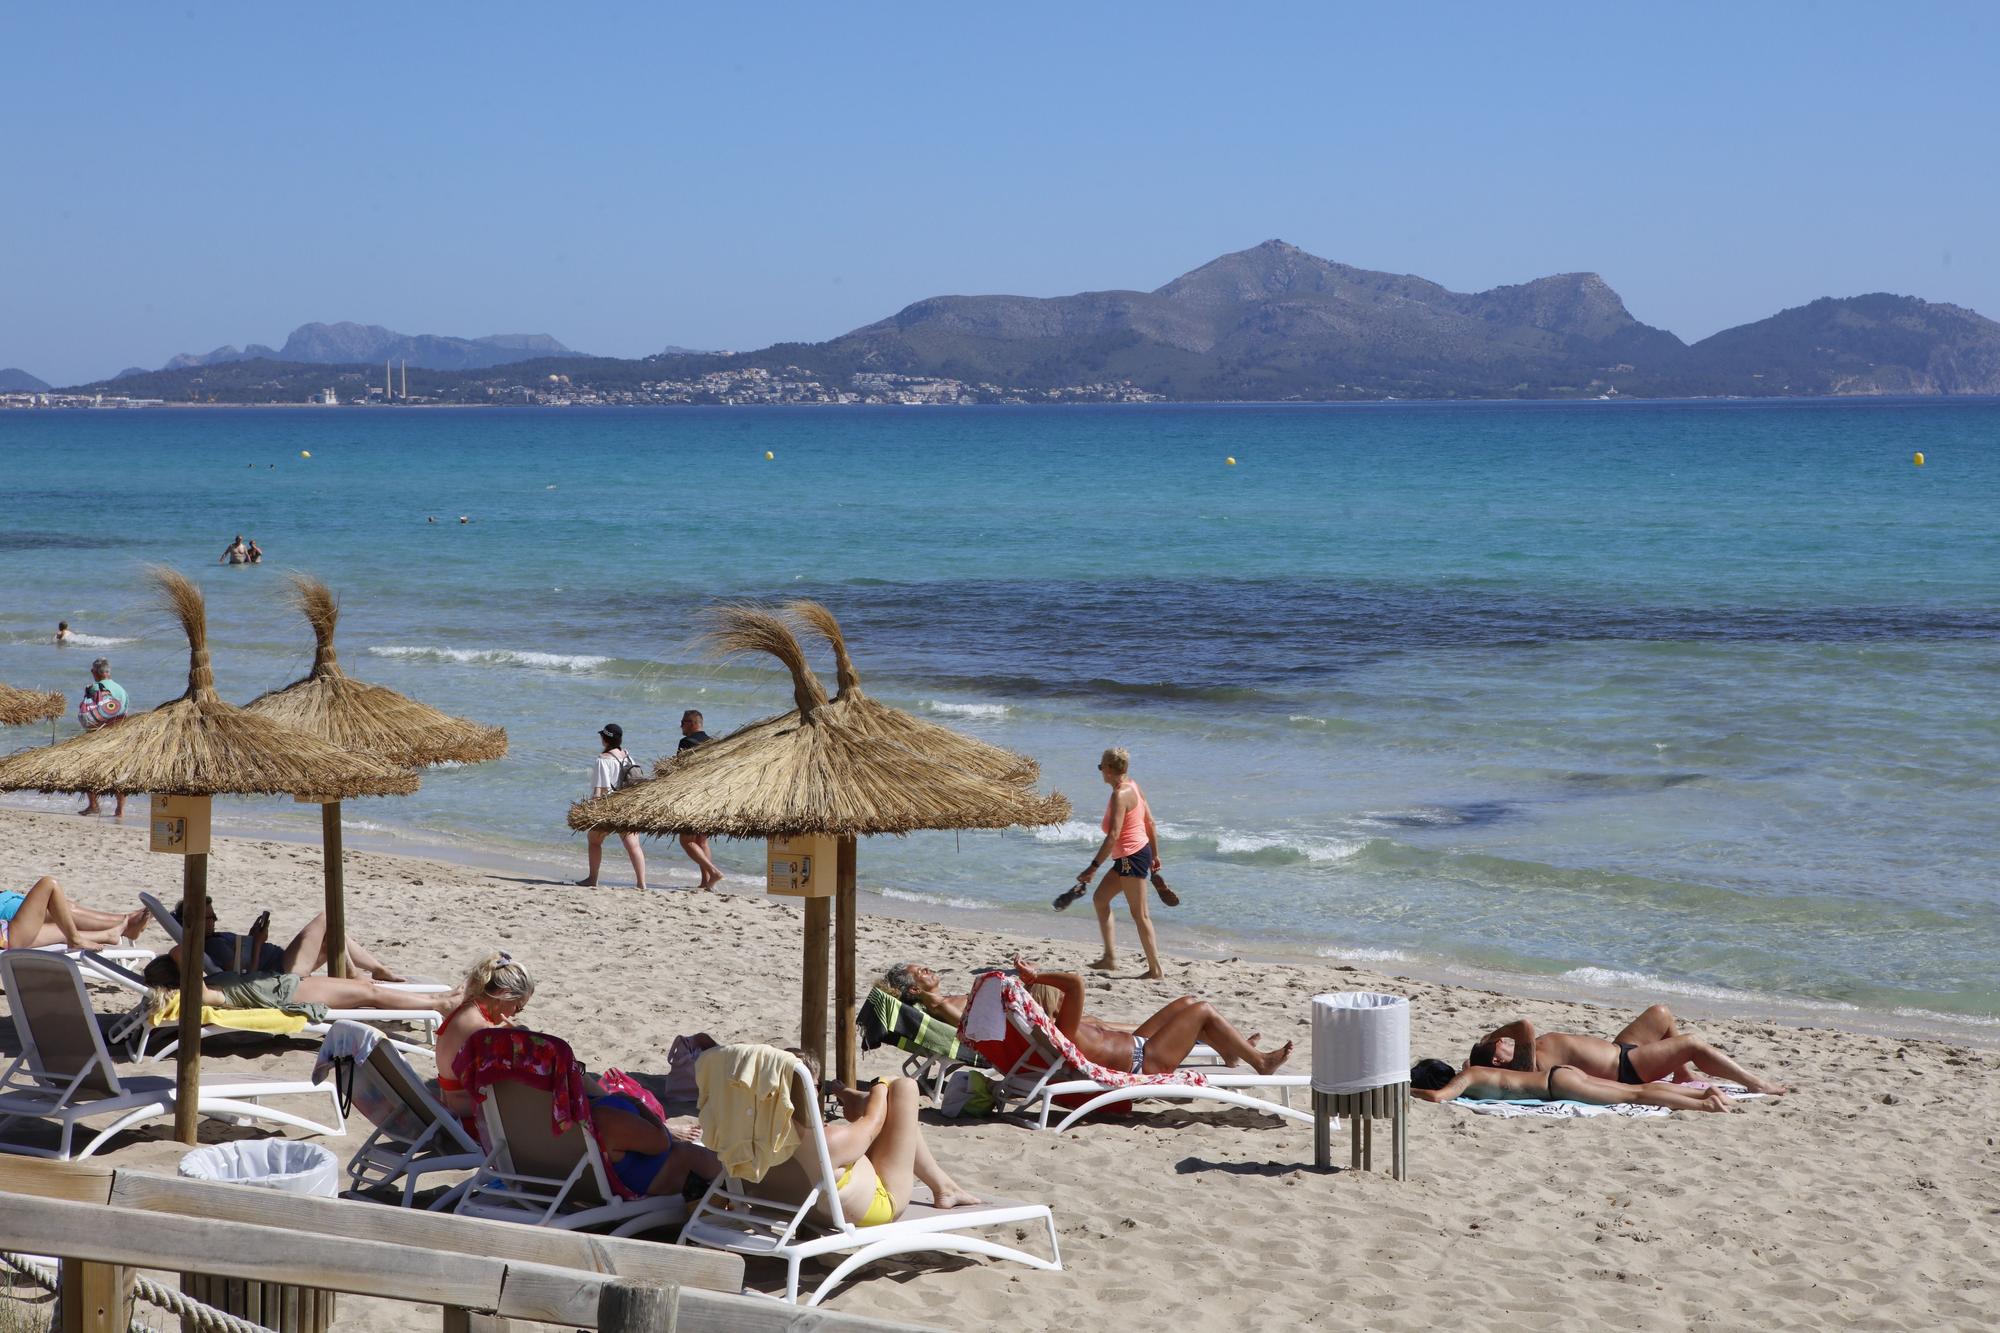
881	1208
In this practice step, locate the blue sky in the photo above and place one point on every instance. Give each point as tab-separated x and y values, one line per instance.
176	177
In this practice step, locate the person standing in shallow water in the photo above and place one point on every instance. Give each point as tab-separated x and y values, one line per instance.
696	844
1131	844
607	776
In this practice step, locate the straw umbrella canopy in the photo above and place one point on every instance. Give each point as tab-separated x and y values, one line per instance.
198	746
821	769
366	719
18	708
872	718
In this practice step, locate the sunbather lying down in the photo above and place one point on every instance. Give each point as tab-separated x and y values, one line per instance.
1156	1046
1649	1048
45	915
311	996
1436	1081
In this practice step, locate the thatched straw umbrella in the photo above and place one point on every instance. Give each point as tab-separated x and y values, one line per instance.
197	747
20	707
367	719
880	720
818	771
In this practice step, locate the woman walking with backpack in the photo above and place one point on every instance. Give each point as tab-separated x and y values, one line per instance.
614	769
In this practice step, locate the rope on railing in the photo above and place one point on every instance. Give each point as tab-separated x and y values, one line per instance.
174	1302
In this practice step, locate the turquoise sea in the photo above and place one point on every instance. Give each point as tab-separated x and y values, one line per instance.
1695	698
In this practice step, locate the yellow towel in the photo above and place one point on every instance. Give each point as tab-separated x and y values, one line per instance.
274	1021
746	1108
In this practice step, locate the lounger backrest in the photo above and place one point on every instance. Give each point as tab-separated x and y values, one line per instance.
408	1106
60	1036
820	1165
516	1118
165	917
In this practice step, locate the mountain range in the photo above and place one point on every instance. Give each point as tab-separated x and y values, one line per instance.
349	344
1271	323
13	380
1274	322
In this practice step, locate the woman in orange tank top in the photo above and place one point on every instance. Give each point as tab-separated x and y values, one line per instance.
1131	844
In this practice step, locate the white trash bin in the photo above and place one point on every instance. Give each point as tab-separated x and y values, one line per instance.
272	1164
275	1164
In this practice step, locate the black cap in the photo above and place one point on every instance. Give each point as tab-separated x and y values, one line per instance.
612	732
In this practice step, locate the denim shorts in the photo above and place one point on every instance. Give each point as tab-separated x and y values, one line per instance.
1139	865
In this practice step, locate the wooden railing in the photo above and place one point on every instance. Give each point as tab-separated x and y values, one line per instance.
103	1223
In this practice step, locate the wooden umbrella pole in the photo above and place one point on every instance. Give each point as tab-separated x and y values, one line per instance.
336	890
812	1007
194	943
845	1041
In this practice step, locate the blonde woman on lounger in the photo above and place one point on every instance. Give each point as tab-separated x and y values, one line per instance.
44	915
290	992
1435	1081
878	1149
647	1158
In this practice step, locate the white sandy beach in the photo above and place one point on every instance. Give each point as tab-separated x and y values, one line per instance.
1869	1198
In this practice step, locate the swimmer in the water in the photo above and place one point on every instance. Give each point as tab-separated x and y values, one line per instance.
235	553
255	553
64	635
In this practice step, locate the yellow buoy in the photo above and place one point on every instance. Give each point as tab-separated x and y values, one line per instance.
768	455
305	453
1918	459
1230	461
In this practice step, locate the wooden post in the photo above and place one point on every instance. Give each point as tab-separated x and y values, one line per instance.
194	939
846	1040
638	1307
96	1298
336	905
812	1006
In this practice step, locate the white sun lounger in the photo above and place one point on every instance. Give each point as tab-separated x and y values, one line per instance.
531	1175
732	1217
1052	1067
414	1134
163	915
65	1073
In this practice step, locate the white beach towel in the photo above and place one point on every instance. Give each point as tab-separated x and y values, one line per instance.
1568	1110
986	1018
345	1040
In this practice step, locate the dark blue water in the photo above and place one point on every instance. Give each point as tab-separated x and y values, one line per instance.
1695	696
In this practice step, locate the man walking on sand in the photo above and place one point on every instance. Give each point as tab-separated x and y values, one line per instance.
696	844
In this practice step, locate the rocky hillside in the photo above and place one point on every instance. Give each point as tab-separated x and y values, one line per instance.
357	344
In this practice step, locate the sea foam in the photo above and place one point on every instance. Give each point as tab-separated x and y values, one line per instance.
989	711
512	657
1611	978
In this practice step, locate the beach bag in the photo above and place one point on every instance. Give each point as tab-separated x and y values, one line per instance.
629	772
681	1057
968	1092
